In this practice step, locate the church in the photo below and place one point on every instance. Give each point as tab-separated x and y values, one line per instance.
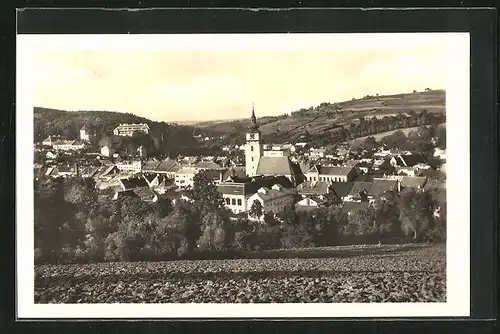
268	163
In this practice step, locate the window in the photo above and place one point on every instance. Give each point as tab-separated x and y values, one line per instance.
233	201
227	201
252	158
239	201
251	148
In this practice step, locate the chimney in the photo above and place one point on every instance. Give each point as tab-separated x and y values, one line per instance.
77	172
220	176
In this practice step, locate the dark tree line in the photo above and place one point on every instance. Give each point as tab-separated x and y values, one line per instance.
73	223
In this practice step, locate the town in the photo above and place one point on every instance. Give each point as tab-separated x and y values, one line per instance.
255	180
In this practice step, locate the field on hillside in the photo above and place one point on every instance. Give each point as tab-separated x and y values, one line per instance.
405	273
317	119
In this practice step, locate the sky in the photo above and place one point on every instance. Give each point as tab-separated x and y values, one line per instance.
198	84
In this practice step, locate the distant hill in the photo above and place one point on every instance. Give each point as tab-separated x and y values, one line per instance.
332	116
163	138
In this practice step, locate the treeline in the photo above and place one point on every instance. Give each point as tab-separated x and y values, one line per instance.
73	225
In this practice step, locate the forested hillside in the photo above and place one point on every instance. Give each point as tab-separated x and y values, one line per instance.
163	138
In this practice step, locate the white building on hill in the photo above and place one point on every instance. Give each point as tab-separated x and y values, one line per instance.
130	129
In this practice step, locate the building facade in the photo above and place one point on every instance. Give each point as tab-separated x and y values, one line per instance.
273	200
331	174
130	129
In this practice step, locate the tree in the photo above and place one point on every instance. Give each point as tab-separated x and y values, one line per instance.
416	210
163	207
256	210
213	234
205	194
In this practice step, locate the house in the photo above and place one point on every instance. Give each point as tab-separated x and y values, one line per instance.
215	175
317	152
236	193
417	182
207	165
133	183
407	160
234	174
65	171
358	192
87	134
107	151
150	166
168	167
88	171
313	189
131	129
408	171
331	174
381	186
133	166
273	200
184	177
353	207
105	172
50	155
365	167
340	190
309	203
68	145
50	140
145	194
153	180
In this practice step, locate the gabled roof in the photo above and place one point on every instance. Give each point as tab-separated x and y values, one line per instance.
251	185
413	182
214	174
344	171
359	187
133	182
149	177
381	186
272	193
342	189
207	165
313	169
411	160
235	173
280	165
313	187
168	165
151	165
330	170
187	170
355	206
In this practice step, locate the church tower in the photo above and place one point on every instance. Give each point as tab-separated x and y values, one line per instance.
253	148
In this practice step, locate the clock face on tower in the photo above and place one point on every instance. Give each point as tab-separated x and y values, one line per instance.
252	136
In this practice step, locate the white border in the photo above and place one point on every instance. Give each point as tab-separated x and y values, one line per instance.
457	105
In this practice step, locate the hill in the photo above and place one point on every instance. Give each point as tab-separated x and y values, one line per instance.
163	137
330	117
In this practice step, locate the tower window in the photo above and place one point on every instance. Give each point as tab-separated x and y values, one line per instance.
252	158
251	148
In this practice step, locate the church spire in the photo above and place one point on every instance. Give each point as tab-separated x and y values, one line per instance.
253	125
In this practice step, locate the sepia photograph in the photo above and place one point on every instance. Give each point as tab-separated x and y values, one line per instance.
259	169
